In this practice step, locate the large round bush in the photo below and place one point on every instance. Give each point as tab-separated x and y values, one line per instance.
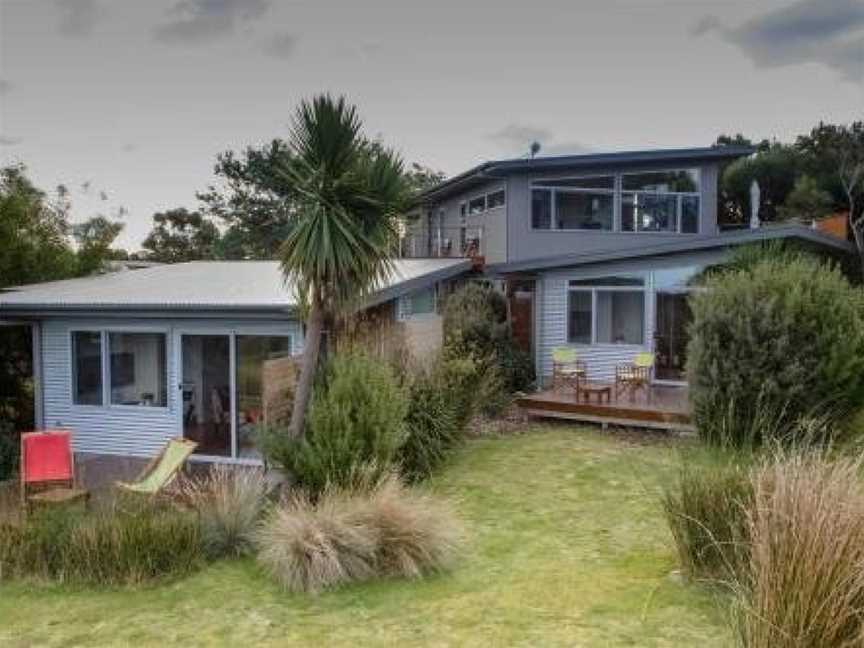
772	343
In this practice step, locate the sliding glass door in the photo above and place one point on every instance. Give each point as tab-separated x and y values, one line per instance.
670	336
206	393
230	384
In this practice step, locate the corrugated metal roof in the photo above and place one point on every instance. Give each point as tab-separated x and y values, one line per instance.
685	244
204	285
497	168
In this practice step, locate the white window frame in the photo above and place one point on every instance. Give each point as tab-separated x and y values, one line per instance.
594	289
104	332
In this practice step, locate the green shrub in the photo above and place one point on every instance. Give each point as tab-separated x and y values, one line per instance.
476	325
355	428
434	423
804	582
706	508
784	337
230	502
109	546
350	536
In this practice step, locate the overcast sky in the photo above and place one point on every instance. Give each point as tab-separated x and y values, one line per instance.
128	102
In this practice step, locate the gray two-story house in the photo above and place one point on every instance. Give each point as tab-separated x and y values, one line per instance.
596	251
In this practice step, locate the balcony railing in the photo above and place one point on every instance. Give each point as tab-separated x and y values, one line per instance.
444	242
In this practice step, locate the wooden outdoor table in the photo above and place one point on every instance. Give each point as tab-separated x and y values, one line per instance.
600	390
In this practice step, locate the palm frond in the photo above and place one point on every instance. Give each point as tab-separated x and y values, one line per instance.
350	194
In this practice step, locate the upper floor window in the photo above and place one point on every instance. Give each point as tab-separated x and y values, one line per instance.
653	201
574	203
477	205
661	201
495	199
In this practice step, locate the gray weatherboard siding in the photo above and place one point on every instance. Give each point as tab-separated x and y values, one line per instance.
118	429
508	235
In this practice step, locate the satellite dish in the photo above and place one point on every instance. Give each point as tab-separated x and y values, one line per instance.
535	149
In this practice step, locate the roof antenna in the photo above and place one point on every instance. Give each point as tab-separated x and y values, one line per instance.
535	148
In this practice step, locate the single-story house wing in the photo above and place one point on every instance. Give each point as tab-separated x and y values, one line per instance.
128	360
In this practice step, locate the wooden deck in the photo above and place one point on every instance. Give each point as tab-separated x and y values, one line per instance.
663	407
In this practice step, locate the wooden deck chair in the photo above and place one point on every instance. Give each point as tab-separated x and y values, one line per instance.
48	469
567	368
162	469
636	375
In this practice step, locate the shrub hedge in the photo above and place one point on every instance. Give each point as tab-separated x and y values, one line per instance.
783	336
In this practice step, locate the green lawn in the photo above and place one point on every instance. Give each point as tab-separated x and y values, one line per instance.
567	547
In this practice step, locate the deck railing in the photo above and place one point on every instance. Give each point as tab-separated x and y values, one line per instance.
452	242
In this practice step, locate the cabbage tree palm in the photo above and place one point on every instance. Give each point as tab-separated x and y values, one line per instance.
340	246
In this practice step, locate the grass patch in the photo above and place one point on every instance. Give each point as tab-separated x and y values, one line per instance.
567	548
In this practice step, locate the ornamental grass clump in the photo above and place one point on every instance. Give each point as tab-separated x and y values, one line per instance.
230	502
120	543
309	546
347	536
803	585
416	533
706	508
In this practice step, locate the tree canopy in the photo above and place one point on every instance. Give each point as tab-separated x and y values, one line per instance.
781	169
181	235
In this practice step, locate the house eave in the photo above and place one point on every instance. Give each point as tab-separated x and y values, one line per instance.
727	239
500	168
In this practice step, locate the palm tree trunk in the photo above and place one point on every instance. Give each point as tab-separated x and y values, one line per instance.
311	349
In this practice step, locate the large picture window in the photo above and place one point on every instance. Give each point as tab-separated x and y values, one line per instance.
87	367
609	311
138	371
661	201
133	364
574	204
654	201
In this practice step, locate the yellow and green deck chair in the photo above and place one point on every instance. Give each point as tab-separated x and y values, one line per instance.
567	368
162	469
636	375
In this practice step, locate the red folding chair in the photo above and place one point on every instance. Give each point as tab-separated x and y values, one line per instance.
48	469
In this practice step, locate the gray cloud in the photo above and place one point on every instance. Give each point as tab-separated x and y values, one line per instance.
129	147
203	21
5	140
78	18
280	46
517	138
5	87
829	32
